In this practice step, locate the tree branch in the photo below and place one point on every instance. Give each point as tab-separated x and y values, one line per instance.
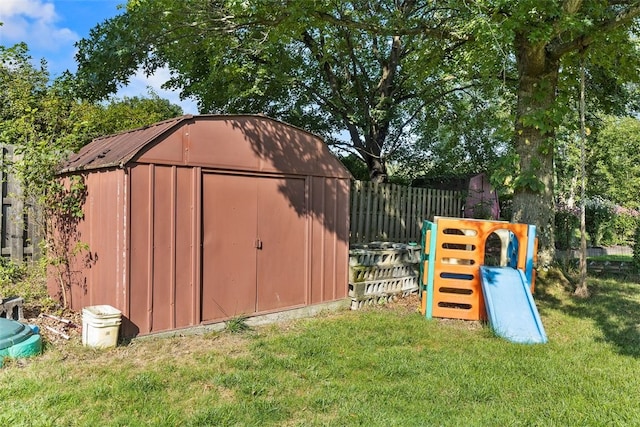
396	138
557	49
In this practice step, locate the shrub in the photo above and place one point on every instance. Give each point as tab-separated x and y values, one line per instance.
26	280
624	226
599	214
567	220
636	249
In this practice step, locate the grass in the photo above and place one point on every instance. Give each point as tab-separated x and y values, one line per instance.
376	367
237	325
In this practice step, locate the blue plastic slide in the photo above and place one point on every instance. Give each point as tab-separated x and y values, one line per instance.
513	314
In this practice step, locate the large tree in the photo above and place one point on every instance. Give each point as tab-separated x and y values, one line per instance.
373	71
543	34
360	73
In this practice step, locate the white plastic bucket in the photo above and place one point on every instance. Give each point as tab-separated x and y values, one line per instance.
100	326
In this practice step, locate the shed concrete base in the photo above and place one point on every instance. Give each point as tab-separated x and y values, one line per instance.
258	320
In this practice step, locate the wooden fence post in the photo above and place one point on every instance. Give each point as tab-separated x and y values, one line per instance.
18	230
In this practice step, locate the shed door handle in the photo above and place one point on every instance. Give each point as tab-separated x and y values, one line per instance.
258	244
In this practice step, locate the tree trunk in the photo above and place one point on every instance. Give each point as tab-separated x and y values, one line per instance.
371	152
582	290
533	200
377	169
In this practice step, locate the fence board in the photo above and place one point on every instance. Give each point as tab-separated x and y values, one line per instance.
393	212
18	228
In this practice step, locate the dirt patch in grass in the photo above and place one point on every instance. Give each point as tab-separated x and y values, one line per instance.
410	304
58	327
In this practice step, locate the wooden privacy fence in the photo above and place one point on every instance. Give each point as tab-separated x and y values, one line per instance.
394	213
18	236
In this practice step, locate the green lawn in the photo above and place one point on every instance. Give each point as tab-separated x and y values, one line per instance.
377	367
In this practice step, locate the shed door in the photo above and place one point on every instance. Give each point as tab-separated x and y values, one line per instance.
282	230
254	244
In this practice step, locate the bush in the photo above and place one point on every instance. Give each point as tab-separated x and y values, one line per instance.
636	249
599	215
624	226
606	224
567	221
25	280
11	272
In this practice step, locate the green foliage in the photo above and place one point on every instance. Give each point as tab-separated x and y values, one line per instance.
614	161
363	75
26	280
545	38
237	325
623	227
606	224
567	222
11	272
599	213
636	248
45	123
356	166
529	180
129	113
463	135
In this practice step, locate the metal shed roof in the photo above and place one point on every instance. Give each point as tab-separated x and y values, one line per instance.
119	149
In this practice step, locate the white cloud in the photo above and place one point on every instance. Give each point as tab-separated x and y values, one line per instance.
37	22
33	22
33	8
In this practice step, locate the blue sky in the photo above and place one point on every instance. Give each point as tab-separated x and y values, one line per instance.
51	27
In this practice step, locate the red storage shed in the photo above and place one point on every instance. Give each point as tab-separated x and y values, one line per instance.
198	219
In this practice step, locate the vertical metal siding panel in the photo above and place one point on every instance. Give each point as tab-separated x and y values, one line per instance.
330	239
150	244
141	204
164	217
329	253
94	241
97	270
196	251
173	209
82	297
308	233
342	238
93	221
184	243
317	240
103	241
124	243
96	237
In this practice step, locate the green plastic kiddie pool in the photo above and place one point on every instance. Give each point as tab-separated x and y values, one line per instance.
18	340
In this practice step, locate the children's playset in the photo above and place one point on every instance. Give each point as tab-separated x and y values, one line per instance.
462	279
